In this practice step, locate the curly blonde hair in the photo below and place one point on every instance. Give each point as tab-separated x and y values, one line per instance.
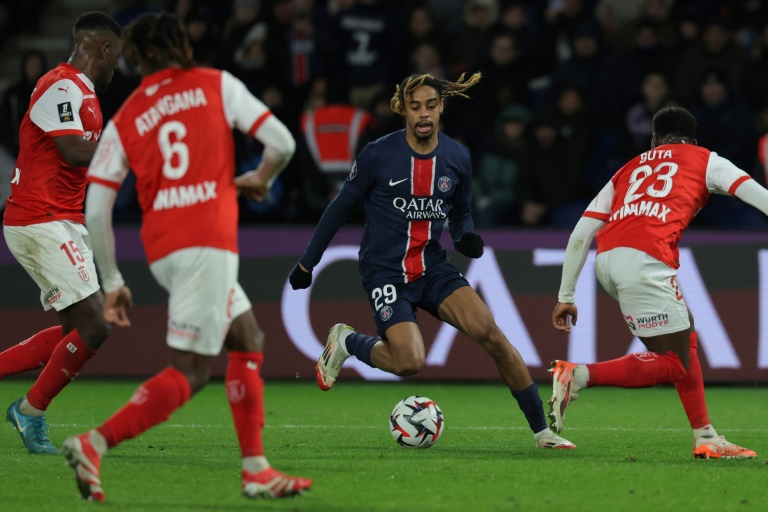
444	88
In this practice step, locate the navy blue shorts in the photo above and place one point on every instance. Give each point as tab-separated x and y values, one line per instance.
395	302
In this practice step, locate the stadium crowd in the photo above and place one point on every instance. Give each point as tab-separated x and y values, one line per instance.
568	91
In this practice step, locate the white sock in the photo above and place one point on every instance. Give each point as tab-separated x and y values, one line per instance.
580	377
98	442
705	432
26	408
255	464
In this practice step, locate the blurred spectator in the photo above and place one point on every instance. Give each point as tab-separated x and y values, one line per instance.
368	50
626	70
563	18
304	45
654	14
576	127
422	28
201	37
716	50
755	81
16	99
384	120
725	126
725	123
551	185
332	133
615	14
426	58
475	36
245	14
495	182
637	129
584	66
251	59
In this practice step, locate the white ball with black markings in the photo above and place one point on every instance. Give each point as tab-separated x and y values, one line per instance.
416	422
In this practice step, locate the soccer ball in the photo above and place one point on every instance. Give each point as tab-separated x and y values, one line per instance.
417	422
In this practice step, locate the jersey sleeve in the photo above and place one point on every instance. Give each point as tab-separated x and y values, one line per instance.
600	207
361	176
242	109
723	177
57	110
460	216
109	165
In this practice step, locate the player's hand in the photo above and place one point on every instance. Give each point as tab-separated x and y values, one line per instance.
252	185
563	315
116	305
470	245
300	277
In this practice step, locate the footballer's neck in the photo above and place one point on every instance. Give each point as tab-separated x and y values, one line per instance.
419	145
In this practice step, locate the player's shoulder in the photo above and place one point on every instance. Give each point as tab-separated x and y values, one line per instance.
451	146
383	146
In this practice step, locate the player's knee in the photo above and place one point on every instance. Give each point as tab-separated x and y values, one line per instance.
411	366
492	339
197	380
95	332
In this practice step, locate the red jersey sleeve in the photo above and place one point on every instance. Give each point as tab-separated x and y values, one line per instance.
57	110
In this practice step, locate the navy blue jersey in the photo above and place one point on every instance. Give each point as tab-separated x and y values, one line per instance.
407	197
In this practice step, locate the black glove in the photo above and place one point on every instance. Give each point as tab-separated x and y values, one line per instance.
300	279
470	245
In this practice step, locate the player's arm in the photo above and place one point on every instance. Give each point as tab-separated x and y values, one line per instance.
352	193
57	113
106	173
75	150
248	114
335	215
576	253
723	177
460	223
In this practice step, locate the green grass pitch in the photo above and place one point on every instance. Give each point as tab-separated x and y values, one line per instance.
634	453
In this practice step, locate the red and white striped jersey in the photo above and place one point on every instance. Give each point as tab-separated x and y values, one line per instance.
43	187
652	199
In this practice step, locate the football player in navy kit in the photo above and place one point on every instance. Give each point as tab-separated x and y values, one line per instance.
410	182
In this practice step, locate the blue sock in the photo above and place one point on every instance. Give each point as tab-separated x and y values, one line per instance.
530	403
360	345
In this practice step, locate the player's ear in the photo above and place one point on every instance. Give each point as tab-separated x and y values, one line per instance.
695	142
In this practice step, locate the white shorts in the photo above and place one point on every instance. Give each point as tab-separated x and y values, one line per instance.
58	256
647	291
204	297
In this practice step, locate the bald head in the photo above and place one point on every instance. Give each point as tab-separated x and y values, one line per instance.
97	46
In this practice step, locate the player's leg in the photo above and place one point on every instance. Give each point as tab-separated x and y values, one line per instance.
654	310
57	256
245	393
31	354
706	442
398	348
200	283
464	309
152	403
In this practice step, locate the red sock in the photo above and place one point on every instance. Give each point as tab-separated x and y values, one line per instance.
691	389
31	353
245	392
638	370
67	359
151	404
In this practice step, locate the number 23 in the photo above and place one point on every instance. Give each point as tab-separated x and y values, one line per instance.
641	173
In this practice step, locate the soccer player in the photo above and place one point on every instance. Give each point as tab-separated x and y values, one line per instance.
410	182
639	217
43	222
174	133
